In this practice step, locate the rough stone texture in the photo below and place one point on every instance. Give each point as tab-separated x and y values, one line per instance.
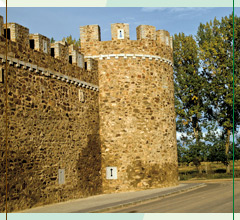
61	51
163	37
120	26
18	33
146	32
90	32
53	124
136	108
39	42
1	25
77	58
50	128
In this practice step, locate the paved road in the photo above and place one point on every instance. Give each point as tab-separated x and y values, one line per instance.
216	197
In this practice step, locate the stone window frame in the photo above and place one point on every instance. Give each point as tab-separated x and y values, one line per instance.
45	49
122	32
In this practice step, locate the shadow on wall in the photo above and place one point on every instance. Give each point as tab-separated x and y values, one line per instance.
89	167
141	175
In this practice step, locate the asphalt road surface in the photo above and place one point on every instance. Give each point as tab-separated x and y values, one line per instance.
215	197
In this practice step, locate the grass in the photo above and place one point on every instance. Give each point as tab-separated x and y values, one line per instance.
209	170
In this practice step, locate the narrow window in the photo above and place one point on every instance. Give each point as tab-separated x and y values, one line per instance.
45	50
31	44
120	34
85	65
70	59
81	96
80	61
167	41
8	33
52	52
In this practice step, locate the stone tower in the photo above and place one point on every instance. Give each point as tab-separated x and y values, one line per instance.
136	106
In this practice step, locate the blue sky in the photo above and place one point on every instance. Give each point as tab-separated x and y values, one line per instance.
61	22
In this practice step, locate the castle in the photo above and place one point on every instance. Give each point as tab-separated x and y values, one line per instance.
89	120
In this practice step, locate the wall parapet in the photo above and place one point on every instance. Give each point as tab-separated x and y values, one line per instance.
47	72
120	32
134	56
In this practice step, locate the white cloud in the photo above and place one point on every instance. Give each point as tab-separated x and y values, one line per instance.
178	11
184	10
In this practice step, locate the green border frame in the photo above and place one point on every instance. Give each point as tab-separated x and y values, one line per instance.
233	109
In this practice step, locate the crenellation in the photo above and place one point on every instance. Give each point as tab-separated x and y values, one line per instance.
75	57
40	43
60	51
1	26
146	32
76	112
90	33
18	33
120	31
163	37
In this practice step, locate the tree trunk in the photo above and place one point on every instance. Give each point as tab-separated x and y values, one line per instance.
206	167
195	130
227	151
200	169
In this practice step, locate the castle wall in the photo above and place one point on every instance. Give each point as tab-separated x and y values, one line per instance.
136	108
77	58
53	125
61	51
41	43
146	32
90	33
18	33
112	107
120	31
1	25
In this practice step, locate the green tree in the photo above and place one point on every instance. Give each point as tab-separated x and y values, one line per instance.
70	41
189	85
216	52
52	40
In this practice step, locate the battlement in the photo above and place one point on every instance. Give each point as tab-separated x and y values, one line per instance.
40	43
78	112
60	50
120	31
90	33
36	48
1	25
17	33
164	37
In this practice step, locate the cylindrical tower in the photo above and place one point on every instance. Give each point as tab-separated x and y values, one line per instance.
136	104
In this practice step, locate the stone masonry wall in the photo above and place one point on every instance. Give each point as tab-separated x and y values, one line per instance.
124	27
90	32
136	107
1	25
39	42
146	32
52	125
18	33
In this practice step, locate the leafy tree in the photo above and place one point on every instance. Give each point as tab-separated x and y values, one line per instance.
183	154
215	141
236	148
216	52
52	40
188	83
70	41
